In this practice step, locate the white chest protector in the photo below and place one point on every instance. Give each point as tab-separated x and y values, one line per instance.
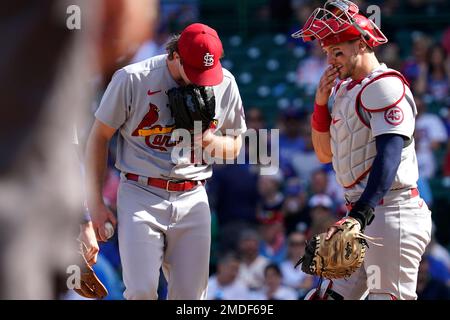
379	104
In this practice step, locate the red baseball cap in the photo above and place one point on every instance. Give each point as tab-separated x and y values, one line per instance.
200	49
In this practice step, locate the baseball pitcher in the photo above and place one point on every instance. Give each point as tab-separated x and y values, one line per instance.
368	137
163	211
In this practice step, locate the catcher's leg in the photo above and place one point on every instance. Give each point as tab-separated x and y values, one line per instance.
352	288
186	261
405	228
142	217
324	292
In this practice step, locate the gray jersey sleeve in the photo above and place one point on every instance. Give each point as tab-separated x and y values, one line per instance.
398	119
232	115
116	102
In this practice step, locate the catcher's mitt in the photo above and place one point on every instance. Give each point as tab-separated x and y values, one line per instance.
192	103
90	286
339	256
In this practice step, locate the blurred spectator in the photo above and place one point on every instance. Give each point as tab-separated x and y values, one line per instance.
438	259
412	65
225	284
334	189
319	182
254	118
306	162
434	75
233	183
291	140
295	217
251	271
269	189
223	189
446	169
155	46
390	55
274	289
311	68
324	182
273	242
429	288
295	277
321	213
179	14
429	135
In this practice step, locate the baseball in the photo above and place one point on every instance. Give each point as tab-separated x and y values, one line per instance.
109	230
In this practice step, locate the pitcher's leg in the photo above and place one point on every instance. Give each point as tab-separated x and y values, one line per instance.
141	243
188	248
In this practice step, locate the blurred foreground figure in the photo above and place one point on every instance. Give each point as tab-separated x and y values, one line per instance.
45	68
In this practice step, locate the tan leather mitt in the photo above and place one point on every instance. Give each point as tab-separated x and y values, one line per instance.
339	256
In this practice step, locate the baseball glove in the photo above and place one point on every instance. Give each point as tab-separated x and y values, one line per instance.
192	103
90	286
339	256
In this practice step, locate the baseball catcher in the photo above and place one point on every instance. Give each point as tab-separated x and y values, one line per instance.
363	123
192	103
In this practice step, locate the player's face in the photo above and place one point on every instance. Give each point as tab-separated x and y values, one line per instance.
182	78
343	55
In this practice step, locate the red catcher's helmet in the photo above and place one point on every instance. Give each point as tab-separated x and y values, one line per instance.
339	21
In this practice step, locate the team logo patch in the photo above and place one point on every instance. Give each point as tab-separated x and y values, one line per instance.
394	116
156	136
208	60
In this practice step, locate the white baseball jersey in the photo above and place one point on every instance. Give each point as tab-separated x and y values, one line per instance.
136	103
379	104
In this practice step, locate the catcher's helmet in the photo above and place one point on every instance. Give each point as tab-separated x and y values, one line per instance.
339	21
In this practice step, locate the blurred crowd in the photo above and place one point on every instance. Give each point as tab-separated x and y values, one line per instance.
261	222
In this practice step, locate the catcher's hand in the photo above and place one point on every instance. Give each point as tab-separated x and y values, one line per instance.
340	255
192	103
90	286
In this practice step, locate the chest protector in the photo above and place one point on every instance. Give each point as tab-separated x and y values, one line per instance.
352	143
